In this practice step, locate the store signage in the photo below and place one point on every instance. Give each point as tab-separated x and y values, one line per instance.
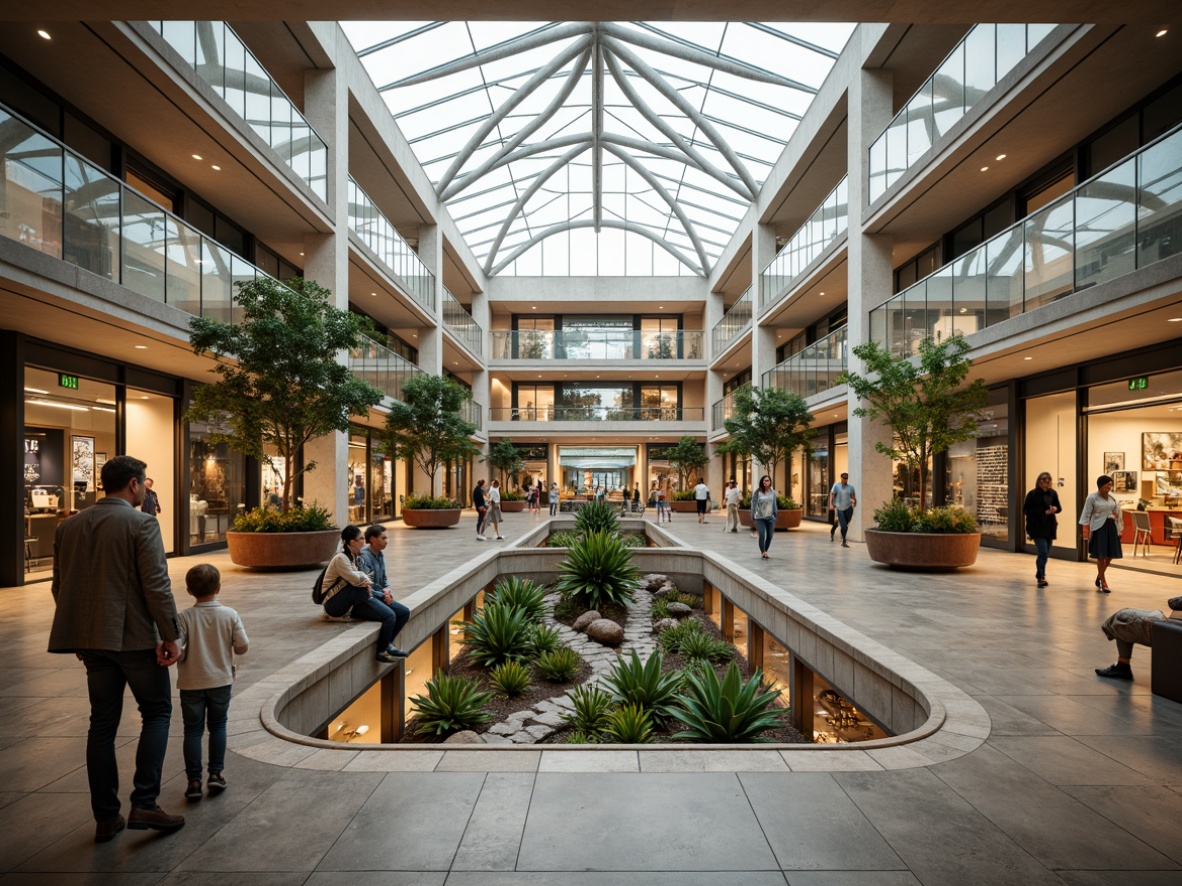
1139	384
67	381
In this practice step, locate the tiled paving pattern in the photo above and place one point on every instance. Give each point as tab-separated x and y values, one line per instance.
1079	781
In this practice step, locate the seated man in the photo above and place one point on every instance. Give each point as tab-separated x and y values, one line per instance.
381	605
1127	627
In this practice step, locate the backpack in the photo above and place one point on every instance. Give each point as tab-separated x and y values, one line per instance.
319	594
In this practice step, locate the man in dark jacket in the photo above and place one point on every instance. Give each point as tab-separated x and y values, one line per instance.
481	504
1040	507
151	503
116	612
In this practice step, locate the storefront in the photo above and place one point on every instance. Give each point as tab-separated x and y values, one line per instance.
374	479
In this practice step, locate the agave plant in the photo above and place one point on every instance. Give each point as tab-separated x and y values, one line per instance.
644	683
673	638
728	712
590	707
598	569
520	593
451	705
510	678
630	724
700	645
544	639
596	516
497	634
559	665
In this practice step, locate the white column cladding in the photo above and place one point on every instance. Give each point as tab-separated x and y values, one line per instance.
431	341
870	276
763	338
326	260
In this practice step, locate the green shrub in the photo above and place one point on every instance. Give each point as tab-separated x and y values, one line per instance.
643	683
310	519
563	539
684	495
559	665
688	599
673	638
701	645
451	704
598	569
543	639
577	737
522	594
596	516
429	503
660	609
591	706
510	678
630	724
512	495
634	540
783	502
896	516
497	634
725	712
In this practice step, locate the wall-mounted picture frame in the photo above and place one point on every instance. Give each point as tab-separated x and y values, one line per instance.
82	462
1124	481
1161	451
1113	462
100	459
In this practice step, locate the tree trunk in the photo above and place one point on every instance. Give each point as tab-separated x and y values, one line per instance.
285	504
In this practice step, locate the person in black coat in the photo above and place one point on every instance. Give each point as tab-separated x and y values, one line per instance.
1040	508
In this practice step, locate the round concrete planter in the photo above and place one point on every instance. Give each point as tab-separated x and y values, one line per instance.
923	550
268	550
423	518
513	507
785	518
684	507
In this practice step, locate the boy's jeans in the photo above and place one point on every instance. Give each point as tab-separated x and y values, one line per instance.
198	705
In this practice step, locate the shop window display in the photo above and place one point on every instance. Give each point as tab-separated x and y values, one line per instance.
977	474
836	720
217	486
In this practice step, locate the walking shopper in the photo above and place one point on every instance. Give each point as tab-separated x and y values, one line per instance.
480	502
350	589
843	498
763	513
733	495
553	499
494	508
702	497
1102	523
1040	508
662	507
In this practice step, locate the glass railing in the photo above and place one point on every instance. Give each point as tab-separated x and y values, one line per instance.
221	59
473	412
986	54
823	227
733	322
376	232
721	411
1124	218
597	413
588	343
381	367
814	369
460	322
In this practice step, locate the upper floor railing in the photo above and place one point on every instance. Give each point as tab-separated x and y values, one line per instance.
814	369
590	343
384	369
473	412
597	413
828	222
377	232
221	59
1124	218
736	319
721	411
461	323
986	54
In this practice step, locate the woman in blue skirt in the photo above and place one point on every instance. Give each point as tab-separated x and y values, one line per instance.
1102	523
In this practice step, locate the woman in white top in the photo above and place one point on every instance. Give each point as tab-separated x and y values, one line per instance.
494	508
1102	523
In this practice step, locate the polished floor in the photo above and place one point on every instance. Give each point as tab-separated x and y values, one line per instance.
1079	781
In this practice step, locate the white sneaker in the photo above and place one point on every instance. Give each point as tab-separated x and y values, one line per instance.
481	538
500	538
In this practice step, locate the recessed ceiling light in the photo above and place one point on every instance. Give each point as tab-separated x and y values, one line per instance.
44	35
1175	320
35	391
197	157
533	307
1027	358
822	293
301	253
145	397
1160	33
1000	157
218	168
964	310
984	168
141	347
414	335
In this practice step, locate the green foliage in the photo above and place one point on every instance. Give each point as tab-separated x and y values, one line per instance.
425	426
726	712
543	639
309	519
688	458
633	540
578	737
567	609
926	405
700	645
451	705
279	383
596	516
505	458
429	503
688	599
510	678
497	634
643	683
629	724
783	502
559	665
672	639
591	706
769	424
660	609
683	495
896	516
512	495
520	593
598	569
563	539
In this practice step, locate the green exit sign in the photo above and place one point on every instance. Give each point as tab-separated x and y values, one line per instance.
67	381
1139	384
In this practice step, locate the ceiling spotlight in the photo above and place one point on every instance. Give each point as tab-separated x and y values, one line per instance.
984	168
44	35
141	347
1000	157
35	391
301	253
218	168
197	157
1175	320
1027	358
1160	33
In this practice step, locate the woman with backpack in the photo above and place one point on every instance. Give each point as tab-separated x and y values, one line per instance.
345	586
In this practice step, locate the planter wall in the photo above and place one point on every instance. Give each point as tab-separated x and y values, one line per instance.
923	550
684	507
260	550
785	518
421	518
512	507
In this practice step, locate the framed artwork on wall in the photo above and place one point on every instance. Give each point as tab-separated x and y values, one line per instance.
1113	462
100	459
1124	481
1161	451
82	462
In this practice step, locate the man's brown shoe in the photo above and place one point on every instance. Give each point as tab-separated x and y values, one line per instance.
155	818
107	828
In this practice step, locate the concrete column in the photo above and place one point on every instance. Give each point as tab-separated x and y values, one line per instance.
800	697
431	342
763	338
870	284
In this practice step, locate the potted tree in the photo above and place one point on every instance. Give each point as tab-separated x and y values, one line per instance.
280	386
426	428
688	458
504	458
769	424
928	408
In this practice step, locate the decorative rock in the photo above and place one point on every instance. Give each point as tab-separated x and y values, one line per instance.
539	732
679	610
496	739
583	621
664	624
502	729
465	737
606	631
653	581
665	592
550	719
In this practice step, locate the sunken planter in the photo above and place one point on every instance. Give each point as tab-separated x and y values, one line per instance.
689	506
512	507
432	518
269	550
928	551
786	518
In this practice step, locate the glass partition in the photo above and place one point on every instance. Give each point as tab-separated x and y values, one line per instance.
814	369
736	319
597	413
460	322
590	343
827	223
378	233
384	369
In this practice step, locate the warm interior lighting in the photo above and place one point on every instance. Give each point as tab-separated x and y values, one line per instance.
197	157
1160	33
216	167
1171	320
44	35
103	409
35	391
1027	358
1000	157
141	347
59	405
984	168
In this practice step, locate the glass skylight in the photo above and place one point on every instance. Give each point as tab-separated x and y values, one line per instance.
570	148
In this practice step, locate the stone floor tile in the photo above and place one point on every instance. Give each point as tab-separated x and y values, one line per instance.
1119	878
1063	760
589	761
96	878
36	821
1148	812
712	761
402	760
489	761
493	835
851	878
619	878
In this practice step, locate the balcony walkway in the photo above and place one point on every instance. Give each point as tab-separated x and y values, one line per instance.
1079	781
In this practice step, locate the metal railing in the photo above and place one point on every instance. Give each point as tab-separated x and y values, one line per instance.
814	369
592	343
735	321
986	54
721	411
597	413
219	57
1124	218
461	324
376	232
473	412
827	223
384	369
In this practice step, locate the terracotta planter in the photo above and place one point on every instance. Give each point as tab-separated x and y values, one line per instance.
785	518
425	518
512	507
684	507
923	550
262	550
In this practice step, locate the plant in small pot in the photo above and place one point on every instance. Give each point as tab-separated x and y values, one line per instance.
769	424
688	458
928	408
280	387
426	428
504	457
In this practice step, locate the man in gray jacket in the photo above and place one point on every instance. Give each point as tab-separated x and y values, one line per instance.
115	611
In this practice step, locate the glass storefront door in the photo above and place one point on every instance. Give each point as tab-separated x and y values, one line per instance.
977	472
151	437
1051	446
817	504
217	486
